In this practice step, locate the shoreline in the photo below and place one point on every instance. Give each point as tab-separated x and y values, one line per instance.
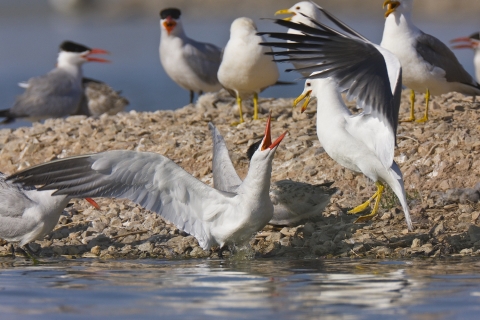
438	160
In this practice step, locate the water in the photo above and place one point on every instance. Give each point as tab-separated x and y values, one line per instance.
30	33
258	289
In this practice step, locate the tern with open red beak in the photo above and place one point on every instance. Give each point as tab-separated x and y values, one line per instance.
428	64
191	64
471	42
58	93
155	182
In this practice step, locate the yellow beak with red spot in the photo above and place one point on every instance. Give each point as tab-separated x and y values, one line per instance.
391	6
305	95
286	11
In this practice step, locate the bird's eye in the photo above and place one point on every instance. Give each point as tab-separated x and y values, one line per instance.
308	84
298	8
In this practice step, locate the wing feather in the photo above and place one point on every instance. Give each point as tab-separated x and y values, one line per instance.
149	179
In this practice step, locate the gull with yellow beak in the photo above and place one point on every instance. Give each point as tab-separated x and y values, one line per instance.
302	12
428	64
245	69
155	182
370	74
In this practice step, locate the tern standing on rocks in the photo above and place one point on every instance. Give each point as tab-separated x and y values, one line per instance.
158	184
191	64
100	98
58	93
428	64
245	69
372	75
28	214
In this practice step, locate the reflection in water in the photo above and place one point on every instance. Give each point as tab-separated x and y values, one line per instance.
256	289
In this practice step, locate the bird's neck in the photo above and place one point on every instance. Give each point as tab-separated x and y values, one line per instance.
330	106
257	181
74	70
398	24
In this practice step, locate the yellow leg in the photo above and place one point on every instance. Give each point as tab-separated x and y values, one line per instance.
255	106
239	103
412	108
364	205
427	101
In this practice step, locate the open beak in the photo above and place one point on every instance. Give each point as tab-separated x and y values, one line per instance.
169	24
93	203
391	6
267	140
95	59
306	96
469	44
286	11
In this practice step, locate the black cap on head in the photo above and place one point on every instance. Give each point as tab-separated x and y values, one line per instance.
73	47
254	147
475	36
172	12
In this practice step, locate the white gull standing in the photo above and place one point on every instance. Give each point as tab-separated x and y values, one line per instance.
153	181
428	64
191	64
370	74
58	93
245	69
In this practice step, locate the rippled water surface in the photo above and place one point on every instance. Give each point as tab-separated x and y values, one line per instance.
257	289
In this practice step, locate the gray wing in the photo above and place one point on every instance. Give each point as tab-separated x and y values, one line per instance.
13	200
55	94
225	177
437	54
295	202
369	73
204	59
100	98
149	179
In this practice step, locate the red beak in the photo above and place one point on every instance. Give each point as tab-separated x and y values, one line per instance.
169	24
267	140
93	203
96	51
467	45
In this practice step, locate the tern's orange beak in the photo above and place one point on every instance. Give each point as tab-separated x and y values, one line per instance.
93	203
169	24
286	11
96	51
307	96
391	6
267	140
468	43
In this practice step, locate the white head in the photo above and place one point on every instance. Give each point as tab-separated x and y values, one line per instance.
299	11
241	27
170	21
72	53
399	7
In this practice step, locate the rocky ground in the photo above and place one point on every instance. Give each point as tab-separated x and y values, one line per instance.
439	161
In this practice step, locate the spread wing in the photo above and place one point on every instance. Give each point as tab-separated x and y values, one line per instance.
149	179
437	54
204	59
369	74
225	178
